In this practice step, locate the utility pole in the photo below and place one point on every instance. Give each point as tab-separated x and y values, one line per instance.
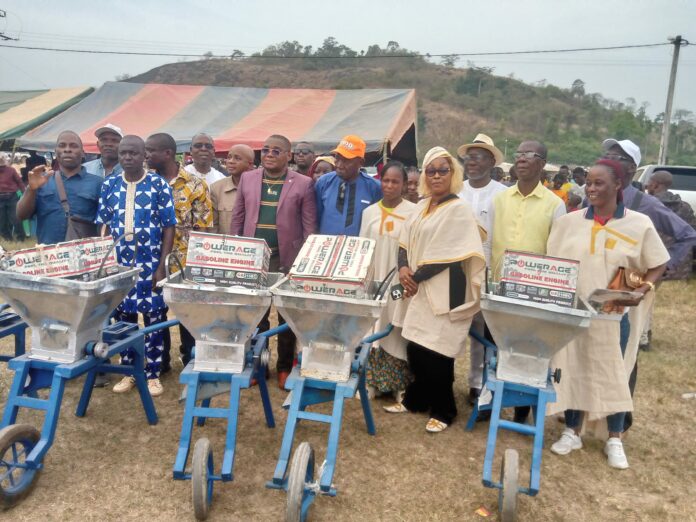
664	140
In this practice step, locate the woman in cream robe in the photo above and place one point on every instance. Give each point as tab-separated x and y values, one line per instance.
441	266
603	237
387	369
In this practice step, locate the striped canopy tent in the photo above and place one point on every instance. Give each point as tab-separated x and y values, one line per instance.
21	111
233	115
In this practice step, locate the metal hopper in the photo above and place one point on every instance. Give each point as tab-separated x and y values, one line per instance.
328	328
221	319
65	314
528	334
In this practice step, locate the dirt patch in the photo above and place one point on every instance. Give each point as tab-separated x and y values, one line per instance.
111	465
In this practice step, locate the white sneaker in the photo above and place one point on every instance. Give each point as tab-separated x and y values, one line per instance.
568	442
614	451
124	385
155	388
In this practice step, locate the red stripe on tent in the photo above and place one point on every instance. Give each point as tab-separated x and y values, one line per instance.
145	112
289	112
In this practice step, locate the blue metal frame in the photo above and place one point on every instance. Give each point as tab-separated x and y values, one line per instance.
506	395
12	324
308	391
54	375
253	369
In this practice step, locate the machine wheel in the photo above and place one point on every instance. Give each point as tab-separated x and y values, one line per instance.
16	481
201	483
301	473
507	499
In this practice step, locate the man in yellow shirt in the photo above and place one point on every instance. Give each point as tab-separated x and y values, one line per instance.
523	214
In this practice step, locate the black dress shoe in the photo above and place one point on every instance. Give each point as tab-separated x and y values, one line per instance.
473	395
483	416
521	414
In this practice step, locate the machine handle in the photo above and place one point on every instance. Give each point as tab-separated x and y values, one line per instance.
383	285
168	262
111	249
158	326
275	331
378	335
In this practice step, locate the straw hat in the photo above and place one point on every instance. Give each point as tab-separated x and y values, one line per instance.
481	141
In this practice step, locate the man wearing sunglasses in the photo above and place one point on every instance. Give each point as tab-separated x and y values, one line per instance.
276	204
342	195
203	154
479	158
304	157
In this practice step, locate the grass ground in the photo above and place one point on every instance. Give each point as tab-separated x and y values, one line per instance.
111	465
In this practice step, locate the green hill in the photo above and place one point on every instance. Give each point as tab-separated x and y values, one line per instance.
454	104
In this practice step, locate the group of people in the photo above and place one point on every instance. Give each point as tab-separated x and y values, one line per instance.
439	227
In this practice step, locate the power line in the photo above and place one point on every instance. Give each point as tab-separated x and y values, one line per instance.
415	55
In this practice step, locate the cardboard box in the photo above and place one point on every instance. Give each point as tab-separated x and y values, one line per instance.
227	260
538	278
78	259
340	266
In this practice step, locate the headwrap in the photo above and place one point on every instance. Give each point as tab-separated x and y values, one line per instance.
327	159
457	171
618	169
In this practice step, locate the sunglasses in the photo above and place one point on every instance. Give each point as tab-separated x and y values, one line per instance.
304	152
528	155
442	172
208	146
474	157
274	152
617	157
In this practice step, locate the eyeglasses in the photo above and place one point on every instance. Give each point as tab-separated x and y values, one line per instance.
616	157
304	152
474	157
442	172
201	145
266	151
530	155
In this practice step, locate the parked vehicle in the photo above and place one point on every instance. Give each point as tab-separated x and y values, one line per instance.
683	180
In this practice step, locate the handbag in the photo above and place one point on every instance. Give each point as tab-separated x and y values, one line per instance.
626	279
77	228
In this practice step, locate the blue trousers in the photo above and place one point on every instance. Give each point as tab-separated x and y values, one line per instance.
154	342
615	422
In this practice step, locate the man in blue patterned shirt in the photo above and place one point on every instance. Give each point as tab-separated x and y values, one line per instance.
140	205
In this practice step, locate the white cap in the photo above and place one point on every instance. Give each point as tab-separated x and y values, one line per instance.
109	127
627	146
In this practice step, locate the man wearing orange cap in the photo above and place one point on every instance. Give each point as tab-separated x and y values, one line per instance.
342	195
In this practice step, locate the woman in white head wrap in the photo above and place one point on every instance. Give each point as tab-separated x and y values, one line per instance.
441	266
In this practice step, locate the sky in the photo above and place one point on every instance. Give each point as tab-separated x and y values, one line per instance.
432	26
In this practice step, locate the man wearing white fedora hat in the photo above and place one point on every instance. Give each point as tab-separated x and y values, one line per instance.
479	158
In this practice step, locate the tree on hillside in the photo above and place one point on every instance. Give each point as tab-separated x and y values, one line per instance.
578	88
450	60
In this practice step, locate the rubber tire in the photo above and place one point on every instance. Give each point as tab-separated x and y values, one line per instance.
201	483
28	436
507	499
301	472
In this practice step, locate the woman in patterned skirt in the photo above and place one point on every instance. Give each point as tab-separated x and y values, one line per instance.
387	369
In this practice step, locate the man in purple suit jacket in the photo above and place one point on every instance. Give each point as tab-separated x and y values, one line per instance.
278	205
